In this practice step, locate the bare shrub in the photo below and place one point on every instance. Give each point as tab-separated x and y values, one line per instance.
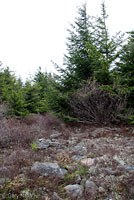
13	132
46	122
52	122
93	104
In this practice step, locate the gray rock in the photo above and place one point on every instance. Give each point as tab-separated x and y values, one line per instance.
129	168
72	141
77	157
109	171
72	168
75	191
55	134
48	168
82	135
55	144
91	189
45	143
80	149
3	170
131	191
4	180
93	171
130	144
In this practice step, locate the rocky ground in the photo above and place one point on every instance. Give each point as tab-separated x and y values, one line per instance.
42	158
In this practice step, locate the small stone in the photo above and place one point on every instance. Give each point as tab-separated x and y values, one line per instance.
71	168
80	149
75	191
119	160
55	134
93	171
129	168
82	135
43	143
131	190
87	162
91	189
4	180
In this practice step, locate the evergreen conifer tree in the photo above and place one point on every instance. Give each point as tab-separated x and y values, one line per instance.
107	46
125	67
78	65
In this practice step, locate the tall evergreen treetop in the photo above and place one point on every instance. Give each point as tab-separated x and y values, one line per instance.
77	60
107	45
125	66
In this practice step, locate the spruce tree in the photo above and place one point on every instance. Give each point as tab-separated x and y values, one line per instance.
108	47
7	83
77	60
33	100
125	67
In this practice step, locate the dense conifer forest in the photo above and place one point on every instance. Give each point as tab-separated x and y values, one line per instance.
94	85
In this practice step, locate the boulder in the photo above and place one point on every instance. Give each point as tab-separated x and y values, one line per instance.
48	168
91	189
75	191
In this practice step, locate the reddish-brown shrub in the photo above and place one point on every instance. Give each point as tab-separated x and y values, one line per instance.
13	132
92	104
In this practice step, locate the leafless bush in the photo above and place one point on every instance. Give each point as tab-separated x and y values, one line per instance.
13	132
92	104
52	122
45	121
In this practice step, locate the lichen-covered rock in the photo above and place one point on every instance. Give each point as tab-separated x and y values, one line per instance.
45	143
75	191
80	148
48	168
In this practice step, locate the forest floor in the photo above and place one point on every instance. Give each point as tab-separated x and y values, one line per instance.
41	158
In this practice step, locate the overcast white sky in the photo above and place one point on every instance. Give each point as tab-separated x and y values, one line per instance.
33	32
